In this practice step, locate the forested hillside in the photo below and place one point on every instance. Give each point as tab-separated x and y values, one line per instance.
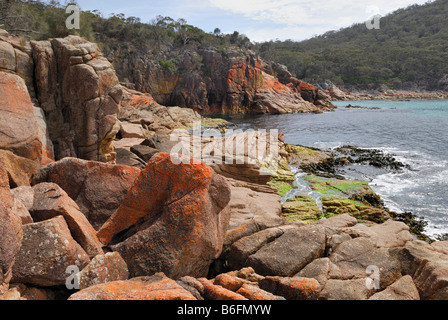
36	20
409	51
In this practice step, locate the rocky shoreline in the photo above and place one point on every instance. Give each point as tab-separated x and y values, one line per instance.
98	201
340	95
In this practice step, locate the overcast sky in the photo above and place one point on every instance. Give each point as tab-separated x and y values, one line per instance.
260	20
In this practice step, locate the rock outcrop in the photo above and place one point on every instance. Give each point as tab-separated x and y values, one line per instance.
82	114
16	111
19	108
229	80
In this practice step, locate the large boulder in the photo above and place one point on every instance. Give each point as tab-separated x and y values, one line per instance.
403	289
97	188
51	201
103	268
387	235
427	267
174	219
47	250
261	207
20	170
241	250
289	253
10	230
156	287
18	125
352	258
348	289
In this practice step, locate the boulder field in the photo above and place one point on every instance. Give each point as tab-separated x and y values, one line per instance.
99	202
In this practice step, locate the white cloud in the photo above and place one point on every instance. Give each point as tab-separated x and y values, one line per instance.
260	20
300	19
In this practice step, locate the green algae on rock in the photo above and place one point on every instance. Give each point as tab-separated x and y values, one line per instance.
360	210
301	208
357	190
300	155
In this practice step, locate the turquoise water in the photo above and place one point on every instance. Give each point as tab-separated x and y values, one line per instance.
435	108
415	132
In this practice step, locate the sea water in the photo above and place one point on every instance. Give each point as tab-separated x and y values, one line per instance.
415	132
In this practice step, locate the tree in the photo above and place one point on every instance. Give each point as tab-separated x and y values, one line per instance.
15	16
159	29
217	32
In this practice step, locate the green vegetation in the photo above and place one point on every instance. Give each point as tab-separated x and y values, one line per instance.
282	187
301	208
334	187
170	66
39	20
361	211
409	51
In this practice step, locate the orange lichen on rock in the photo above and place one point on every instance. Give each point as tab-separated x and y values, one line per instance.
252	292
292	288
216	292
230	282
272	83
18	126
152	190
138	100
157	287
305	86
175	218
96	187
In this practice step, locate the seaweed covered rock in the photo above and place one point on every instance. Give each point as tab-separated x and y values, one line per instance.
301	208
355	198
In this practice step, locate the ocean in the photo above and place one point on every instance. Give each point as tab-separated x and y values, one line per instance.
415	132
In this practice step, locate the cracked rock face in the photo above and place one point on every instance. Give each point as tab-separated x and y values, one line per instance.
79	90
